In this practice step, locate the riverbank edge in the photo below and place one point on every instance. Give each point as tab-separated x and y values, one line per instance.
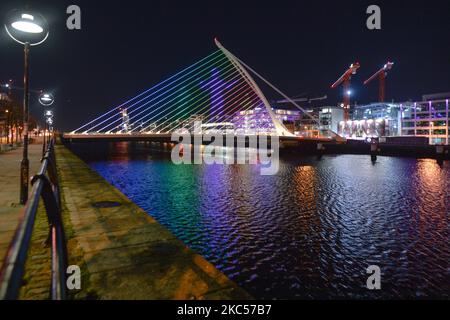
123	253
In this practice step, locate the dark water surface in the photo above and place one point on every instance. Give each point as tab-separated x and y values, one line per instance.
310	231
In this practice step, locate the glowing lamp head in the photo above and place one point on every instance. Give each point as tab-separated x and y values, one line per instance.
46	99
348	93
26	27
27	24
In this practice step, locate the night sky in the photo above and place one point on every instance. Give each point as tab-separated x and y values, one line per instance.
125	47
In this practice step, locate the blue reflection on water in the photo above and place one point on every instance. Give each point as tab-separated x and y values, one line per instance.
310	231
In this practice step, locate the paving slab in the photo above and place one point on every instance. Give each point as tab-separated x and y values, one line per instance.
10	209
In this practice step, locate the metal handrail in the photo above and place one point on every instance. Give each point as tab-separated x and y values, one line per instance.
45	186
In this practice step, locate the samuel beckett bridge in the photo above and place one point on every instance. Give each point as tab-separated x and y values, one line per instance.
216	91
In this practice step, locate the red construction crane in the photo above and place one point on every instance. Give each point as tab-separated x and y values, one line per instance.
345	81
381	74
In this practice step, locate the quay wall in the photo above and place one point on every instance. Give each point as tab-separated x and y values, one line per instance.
122	251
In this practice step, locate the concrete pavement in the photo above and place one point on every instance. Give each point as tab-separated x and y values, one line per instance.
10	209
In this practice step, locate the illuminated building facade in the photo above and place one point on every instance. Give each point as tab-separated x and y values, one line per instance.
259	120
428	119
373	120
330	118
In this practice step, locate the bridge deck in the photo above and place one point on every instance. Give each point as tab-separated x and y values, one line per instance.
167	137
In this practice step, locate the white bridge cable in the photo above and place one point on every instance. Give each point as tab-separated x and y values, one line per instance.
180	101
214	96
198	106
205	106
199	75
281	93
240	98
180	90
214	93
201	68
249	83
144	92
250	103
229	71
236	104
217	95
249	93
281	129
277	90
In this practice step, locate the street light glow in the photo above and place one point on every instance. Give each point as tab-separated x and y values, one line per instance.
46	99
27	16
27	26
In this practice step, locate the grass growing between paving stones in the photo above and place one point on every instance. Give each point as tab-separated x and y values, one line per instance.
37	277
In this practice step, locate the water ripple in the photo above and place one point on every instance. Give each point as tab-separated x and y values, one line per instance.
310	231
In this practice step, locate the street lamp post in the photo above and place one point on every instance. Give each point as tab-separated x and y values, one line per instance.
29	29
25	163
48	117
7	125
46	100
49	122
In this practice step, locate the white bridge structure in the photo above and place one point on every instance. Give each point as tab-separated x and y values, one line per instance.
215	91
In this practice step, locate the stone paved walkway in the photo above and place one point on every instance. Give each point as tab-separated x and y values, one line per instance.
10	210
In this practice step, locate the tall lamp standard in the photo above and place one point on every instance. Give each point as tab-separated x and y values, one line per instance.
46	100
7	125
29	29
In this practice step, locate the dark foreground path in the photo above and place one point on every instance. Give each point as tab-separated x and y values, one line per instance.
10	209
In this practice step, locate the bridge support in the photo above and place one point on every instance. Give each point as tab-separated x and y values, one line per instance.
320	150
440	154
373	150
281	130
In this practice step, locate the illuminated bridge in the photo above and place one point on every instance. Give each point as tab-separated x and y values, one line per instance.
215	94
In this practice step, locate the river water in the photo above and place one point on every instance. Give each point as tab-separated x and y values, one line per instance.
311	231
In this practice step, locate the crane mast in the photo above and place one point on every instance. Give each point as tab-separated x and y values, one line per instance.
381	75
345	81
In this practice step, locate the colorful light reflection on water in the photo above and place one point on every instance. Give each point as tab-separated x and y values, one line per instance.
310	231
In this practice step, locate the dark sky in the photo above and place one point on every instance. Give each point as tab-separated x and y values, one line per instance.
125	47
